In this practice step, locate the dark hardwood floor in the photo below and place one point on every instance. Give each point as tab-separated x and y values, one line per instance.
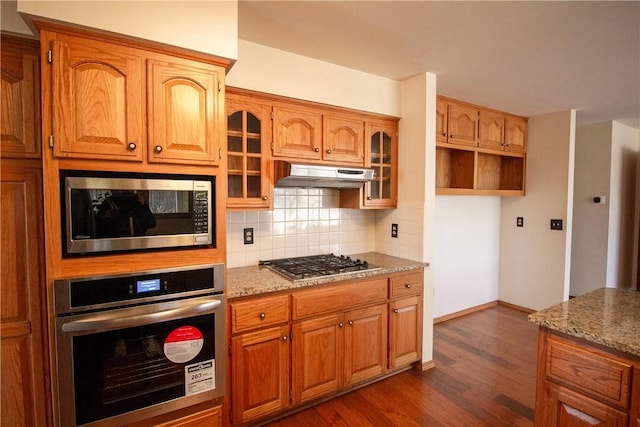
484	376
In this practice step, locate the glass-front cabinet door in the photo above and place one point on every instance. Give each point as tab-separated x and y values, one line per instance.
248	153
382	143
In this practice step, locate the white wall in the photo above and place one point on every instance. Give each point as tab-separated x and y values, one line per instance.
467	252
534	260
264	69
205	26
590	220
620	261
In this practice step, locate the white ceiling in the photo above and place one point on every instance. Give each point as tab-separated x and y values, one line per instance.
527	58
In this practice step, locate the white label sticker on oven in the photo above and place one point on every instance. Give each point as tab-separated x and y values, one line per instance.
183	344
200	377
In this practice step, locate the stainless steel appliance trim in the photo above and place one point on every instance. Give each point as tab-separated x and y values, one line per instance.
64	362
116	319
321	176
140	242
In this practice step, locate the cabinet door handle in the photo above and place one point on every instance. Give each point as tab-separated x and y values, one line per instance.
368	197
131	146
395	310
452	136
265	198
284	338
158	149
350	322
340	325
316	149
328	151
444	134
408	285
263	316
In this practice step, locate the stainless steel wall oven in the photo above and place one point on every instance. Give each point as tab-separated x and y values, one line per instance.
132	346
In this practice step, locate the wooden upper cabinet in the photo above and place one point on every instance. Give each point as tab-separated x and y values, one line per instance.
20	98
462	124
491	132
98	97
515	137
442	115
297	132
184	115
343	138
382	157
248	154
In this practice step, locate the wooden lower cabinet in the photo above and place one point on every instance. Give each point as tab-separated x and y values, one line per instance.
341	335
260	373
24	369
208	418
580	384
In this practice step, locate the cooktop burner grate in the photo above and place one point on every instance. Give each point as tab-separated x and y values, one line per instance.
307	267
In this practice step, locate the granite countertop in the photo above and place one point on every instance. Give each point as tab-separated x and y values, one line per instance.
255	280
607	316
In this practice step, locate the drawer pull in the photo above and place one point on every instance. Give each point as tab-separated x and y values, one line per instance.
263	316
407	285
395	310
340	325
284	338
350	322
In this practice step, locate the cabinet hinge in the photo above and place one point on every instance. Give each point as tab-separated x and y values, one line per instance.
271	114
219	153
50	141
219	87
272	145
50	56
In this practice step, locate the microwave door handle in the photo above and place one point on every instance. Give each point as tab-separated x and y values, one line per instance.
115	322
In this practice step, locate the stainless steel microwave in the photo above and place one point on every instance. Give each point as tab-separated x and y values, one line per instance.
106	212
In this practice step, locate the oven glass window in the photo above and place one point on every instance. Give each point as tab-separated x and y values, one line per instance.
120	371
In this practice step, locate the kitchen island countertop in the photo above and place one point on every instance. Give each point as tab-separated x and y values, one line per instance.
606	316
255	280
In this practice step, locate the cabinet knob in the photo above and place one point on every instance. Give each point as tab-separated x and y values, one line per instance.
131	146
158	148
284	338
265	197
452	136
395	310
350	322
340	325
263	316
316	149
408	285
328	151
368	197
444	134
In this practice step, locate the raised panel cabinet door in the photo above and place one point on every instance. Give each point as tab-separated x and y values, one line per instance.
463	124
23	373
567	408
343	139
365	343
185	117
491	131
20	98
382	157
441	120
515	137
297	133
208	418
248	154
317	357
98	98
260	369
405	331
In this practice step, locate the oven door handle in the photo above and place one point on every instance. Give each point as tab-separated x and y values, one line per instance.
110	321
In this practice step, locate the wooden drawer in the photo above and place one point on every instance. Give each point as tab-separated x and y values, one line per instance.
259	312
330	299
405	285
589	371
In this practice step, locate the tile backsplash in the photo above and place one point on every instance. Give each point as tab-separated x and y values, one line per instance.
304	221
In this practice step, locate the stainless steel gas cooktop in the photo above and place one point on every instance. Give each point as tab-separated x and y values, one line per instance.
308	267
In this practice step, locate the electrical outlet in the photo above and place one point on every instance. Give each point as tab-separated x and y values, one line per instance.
394	230
556	224
248	236
520	221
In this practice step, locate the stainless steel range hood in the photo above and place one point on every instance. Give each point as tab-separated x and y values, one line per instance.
319	176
